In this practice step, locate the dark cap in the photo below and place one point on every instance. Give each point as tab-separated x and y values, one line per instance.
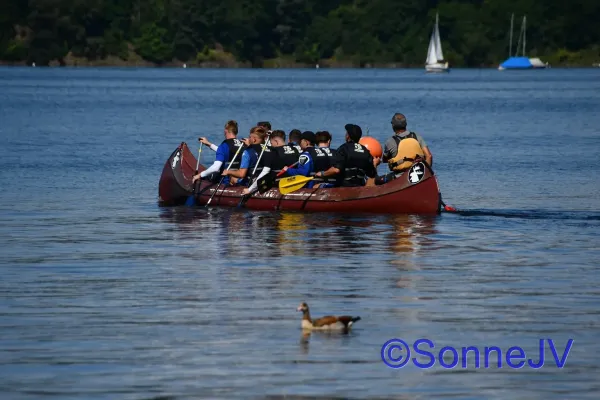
398	121
264	124
310	136
354	132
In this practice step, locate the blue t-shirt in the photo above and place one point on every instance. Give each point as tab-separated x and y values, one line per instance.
223	153
223	156
245	160
248	162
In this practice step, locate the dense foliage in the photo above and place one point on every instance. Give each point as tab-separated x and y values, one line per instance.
474	32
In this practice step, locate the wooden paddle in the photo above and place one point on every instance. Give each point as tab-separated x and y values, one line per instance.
293	183
191	200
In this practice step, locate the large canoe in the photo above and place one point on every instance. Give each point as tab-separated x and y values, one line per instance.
414	192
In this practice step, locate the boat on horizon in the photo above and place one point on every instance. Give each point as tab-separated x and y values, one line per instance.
414	192
435	57
520	62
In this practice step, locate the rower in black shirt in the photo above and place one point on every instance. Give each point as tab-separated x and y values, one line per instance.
353	162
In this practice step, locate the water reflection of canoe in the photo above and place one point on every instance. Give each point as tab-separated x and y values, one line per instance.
415	192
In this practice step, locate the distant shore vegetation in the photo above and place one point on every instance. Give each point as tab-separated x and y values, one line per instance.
292	33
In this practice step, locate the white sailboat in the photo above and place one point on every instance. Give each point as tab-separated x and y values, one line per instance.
435	57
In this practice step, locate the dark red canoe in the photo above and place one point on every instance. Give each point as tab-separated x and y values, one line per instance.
414	192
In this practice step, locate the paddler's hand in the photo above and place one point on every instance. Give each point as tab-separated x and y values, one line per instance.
284	169
246	141
246	191
376	161
225	173
195	178
204	141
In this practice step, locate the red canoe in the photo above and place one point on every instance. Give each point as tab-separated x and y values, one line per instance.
414	192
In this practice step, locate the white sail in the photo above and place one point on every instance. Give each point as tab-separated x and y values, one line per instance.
438	43
435	57
431	53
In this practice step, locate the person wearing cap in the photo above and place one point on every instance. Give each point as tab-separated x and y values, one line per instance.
250	158
353	162
307	159
225	153
266	125
398	153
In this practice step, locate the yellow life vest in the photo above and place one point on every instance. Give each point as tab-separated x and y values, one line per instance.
408	150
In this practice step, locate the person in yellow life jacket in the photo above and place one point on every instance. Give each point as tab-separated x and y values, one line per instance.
401	150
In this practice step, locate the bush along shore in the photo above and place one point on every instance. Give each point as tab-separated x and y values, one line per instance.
562	58
292	33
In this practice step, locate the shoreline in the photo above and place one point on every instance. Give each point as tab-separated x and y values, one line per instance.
112	62
248	66
277	63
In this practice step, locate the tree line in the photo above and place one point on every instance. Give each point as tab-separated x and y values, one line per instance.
261	32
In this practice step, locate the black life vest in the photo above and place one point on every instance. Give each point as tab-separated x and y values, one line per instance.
234	145
283	156
296	146
358	162
322	158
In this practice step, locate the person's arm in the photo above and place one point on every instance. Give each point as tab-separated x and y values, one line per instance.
428	156
236	173
244	165
339	162
303	168
212	146
371	171
222	155
329	172
254	187
388	148
215	167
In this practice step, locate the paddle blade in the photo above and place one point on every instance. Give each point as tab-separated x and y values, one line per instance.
191	201
293	183
265	183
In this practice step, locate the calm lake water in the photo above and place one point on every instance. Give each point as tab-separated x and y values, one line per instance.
104	295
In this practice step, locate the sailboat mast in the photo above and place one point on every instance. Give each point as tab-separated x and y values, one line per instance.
512	20
524	34
519	42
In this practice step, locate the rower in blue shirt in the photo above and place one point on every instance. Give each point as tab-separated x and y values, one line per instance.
252	162
305	166
225	154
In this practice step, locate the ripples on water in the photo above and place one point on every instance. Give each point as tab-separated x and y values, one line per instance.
123	312
105	295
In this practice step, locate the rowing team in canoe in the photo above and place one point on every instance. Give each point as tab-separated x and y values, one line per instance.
265	156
